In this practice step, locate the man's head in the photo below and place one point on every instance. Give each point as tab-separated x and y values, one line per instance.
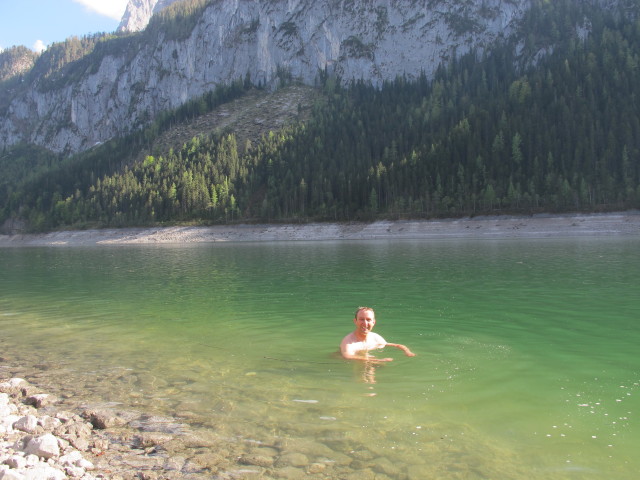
369	309
365	319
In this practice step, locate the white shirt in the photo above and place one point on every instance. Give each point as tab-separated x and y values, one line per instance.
351	346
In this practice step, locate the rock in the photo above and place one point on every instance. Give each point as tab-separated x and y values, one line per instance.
174	464
65	416
386	466
290	473
363	455
16	461
78	428
32	460
28	390
75	459
74	472
148	476
81	443
149	440
100	445
11	475
293	460
362	475
192	467
28	424
12	385
257	460
49	423
45	446
311	448
6	423
317	468
70	458
103	419
40	400
266	451
77	432
86	464
42	471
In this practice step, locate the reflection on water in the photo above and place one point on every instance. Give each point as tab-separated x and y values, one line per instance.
526	361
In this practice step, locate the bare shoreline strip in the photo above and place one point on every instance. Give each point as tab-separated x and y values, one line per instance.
536	226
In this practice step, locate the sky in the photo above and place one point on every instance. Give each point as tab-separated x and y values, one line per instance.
39	23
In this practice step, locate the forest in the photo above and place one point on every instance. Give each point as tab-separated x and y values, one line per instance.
549	124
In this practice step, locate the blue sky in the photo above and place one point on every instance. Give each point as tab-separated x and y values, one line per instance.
38	23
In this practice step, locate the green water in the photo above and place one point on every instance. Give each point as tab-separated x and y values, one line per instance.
527	359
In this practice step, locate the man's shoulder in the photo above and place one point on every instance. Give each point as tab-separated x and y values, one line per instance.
377	338
349	338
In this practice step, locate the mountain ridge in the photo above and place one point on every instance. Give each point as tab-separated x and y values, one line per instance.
140	75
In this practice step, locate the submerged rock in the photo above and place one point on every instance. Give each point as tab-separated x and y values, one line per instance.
103	419
293	460
257	460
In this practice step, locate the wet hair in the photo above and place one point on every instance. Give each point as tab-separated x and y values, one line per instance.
364	308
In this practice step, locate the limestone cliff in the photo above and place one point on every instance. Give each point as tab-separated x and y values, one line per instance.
374	40
138	13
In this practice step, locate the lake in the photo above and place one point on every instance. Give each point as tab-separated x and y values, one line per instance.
527	359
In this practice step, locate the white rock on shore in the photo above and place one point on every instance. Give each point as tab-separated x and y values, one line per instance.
29	447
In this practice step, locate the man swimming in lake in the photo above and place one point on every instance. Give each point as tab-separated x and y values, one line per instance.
357	344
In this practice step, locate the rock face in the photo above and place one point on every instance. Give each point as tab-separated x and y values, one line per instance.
138	12
256	39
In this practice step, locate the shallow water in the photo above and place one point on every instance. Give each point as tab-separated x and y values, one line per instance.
526	365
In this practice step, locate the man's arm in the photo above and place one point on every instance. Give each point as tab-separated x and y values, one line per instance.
404	348
349	354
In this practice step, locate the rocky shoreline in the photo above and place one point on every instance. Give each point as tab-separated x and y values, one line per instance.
534	226
46	436
37	443
40	441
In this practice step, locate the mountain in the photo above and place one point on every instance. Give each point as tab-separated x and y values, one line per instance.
190	47
15	61
138	13
544	119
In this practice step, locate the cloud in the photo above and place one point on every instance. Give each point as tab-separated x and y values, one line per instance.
108	8
39	46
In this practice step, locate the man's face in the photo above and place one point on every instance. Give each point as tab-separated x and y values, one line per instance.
365	320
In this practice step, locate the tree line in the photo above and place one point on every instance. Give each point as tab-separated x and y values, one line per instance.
508	131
